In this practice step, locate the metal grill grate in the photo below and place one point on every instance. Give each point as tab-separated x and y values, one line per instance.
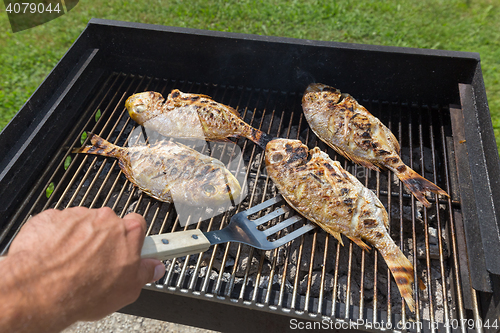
312	277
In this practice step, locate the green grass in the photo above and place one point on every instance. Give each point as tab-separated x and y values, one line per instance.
27	57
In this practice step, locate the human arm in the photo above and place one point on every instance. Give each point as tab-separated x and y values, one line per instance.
70	265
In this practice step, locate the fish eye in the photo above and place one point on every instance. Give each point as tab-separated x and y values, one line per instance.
277	157
140	108
209	189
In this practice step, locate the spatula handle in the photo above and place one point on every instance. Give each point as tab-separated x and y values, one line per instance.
172	245
175	244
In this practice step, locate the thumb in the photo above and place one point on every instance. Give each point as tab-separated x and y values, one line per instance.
151	270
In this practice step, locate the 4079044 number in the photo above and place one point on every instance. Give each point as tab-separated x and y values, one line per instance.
31	7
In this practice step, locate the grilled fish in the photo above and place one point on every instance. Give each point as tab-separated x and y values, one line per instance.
170	172
184	115
346	126
323	192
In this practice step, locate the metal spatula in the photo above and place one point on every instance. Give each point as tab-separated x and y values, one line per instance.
240	229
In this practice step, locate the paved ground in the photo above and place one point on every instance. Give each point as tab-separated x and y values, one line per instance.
122	323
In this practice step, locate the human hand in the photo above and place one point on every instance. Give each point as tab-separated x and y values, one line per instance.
82	264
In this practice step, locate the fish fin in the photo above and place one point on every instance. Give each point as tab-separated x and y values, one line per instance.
402	271
99	147
128	173
332	232
339	151
222	140
164	195
394	141
260	138
421	284
418	185
386	219
360	243
365	163
356	160
165	191
337	236
232	110
175	93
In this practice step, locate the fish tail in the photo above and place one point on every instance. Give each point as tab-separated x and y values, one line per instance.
258	137
402	271
99	147
417	184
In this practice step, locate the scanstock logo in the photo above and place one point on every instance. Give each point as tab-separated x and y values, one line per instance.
25	14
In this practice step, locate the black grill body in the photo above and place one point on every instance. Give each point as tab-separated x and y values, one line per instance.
447	85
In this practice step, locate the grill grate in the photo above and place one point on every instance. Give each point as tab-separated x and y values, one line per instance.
313	276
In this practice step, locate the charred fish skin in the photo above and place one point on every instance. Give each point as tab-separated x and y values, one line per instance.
168	171
185	115
323	192
346	126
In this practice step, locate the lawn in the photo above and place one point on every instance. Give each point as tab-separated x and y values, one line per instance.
27	57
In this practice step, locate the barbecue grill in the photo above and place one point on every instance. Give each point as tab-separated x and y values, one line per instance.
433	101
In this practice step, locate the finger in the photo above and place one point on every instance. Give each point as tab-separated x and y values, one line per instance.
135	223
150	270
135	228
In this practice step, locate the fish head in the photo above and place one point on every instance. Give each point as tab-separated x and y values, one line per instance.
216	186
285	153
143	106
